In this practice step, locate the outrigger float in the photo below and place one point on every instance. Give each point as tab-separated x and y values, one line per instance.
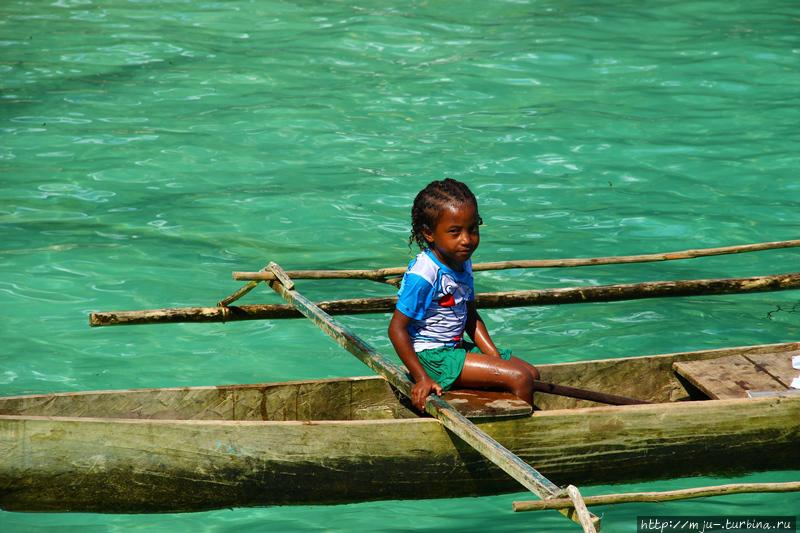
355	439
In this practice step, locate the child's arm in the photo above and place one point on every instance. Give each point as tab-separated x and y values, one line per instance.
401	340
477	331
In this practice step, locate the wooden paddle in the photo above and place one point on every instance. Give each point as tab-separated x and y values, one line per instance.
583	394
437	407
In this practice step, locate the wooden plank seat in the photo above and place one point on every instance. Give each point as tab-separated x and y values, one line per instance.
738	376
474	403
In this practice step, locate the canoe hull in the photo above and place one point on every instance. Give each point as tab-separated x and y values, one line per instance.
351	440
135	466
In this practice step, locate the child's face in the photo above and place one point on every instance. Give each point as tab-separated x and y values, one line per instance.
456	235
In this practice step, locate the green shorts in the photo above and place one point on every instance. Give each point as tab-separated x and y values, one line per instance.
444	365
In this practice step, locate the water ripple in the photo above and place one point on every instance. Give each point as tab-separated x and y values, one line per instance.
150	148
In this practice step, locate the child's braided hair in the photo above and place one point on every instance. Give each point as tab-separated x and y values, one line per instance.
430	201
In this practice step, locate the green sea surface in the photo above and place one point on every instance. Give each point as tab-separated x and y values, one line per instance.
148	149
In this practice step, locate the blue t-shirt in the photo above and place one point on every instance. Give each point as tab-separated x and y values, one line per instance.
435	297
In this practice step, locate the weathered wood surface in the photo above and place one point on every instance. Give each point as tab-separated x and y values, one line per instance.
436	406
125	465
569	295
475	404
339	441
236	313
647	377
735	375
779	366
661	496
584	517
362	398
383	274
356	398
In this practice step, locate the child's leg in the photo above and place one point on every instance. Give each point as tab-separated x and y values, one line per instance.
529	367
485	372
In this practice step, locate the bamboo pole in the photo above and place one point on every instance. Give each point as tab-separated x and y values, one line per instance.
639	497
648	289
384	274
249	286
584	516
569	295
176	315
435	405
244	289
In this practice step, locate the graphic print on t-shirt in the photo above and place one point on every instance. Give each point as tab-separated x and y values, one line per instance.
448	288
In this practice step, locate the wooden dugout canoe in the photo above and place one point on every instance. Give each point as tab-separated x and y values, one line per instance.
351	439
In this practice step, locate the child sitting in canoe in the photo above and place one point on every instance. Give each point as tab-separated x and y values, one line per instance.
436	304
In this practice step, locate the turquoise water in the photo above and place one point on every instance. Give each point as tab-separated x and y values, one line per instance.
151	148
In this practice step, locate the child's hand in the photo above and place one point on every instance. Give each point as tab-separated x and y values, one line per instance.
421	391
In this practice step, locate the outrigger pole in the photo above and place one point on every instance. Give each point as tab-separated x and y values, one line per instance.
224	312
487	300
436	406
392	275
